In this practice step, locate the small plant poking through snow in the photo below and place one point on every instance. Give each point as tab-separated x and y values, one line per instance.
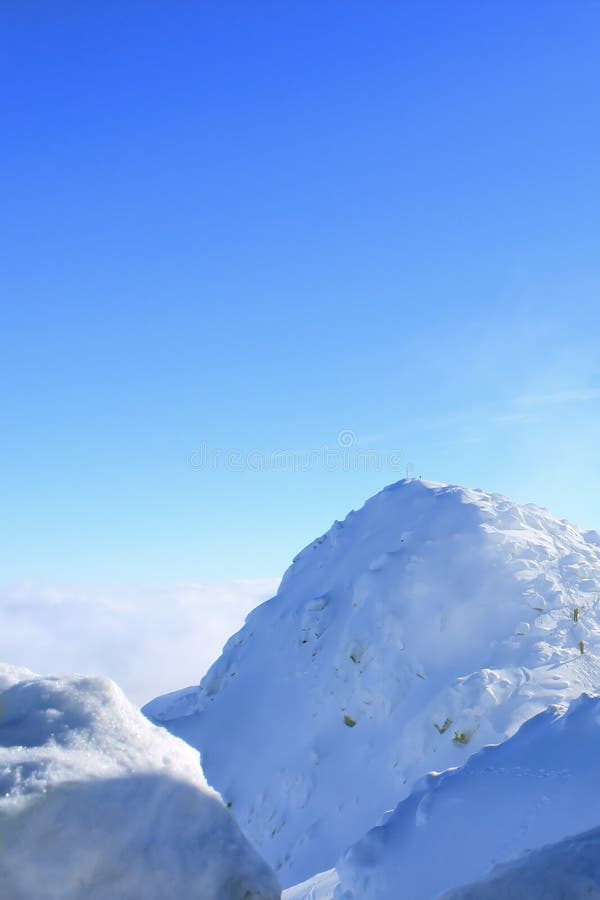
462	737
443	728
349	721
356	652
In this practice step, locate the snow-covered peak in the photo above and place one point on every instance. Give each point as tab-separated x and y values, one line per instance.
430	622
96	803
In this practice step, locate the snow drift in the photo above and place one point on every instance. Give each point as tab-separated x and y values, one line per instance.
567	870
433	621
96	803
537	788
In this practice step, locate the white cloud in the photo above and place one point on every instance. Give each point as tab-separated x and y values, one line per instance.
580	395
514	418
150	639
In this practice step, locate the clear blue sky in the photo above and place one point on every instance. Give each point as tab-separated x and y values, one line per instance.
255	224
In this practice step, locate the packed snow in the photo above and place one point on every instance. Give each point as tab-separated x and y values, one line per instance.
567	870
97	804
319	887
538	788
433	621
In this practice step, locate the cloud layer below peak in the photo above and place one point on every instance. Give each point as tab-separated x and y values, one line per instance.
150	639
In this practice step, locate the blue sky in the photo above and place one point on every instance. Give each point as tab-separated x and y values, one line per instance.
251	226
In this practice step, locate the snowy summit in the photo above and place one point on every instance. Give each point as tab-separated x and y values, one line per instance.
431	622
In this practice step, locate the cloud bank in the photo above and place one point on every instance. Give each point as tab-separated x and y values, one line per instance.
150	639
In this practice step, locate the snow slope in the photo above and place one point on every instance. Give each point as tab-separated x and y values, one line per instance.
538	788
96	803
567	870
431	622
319	887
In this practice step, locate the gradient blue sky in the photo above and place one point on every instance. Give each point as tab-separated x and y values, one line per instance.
254	224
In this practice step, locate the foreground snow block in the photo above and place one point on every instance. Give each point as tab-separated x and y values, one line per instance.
98	804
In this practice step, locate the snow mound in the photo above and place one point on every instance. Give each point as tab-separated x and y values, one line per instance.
537	788
319	887
96	803
569	869
431	622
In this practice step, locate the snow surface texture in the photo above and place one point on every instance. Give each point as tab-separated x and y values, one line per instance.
568	870
320	887
431	622
97	804
538	788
